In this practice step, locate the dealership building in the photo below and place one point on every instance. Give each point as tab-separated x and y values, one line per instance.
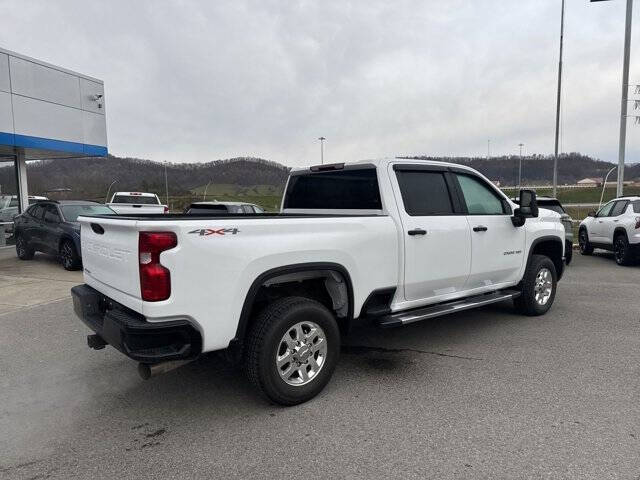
46	112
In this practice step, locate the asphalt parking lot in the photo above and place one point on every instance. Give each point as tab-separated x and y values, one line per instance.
481	394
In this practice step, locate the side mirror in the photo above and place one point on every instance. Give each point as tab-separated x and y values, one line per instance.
592	213
528	208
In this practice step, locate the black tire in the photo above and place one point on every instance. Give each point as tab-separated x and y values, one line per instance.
527	303
23	250
622	251
265	341
568	252
69	256
583	240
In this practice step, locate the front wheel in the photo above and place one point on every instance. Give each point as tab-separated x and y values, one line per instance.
538	288
292	350
583	241
68	255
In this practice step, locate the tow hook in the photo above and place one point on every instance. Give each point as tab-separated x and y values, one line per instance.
96	342
148	370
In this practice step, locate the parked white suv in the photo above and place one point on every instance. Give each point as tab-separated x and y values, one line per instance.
394	241
615	227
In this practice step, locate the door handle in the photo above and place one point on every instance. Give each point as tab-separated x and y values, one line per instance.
616	220
480	228
417	231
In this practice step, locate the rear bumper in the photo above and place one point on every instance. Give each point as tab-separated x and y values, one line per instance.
130	332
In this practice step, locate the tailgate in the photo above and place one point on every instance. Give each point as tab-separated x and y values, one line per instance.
110	253
135	209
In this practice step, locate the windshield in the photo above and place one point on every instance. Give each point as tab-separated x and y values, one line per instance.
136	199
207	209
551	205
72	212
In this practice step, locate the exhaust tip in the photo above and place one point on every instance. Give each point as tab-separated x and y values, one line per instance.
148	370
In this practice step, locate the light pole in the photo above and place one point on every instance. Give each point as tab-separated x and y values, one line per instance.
205	190
520	167
625	95
166	183
488	149
322	139
604	185
106	198
555	150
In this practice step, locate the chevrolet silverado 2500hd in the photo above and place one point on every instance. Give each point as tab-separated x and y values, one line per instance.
394	241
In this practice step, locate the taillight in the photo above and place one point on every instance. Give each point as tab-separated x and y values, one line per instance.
166	209
637	222
155	280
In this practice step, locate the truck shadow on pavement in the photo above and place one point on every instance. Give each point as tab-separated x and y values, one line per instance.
211	386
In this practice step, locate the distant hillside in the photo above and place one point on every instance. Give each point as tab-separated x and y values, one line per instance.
91	177
255	177
538	169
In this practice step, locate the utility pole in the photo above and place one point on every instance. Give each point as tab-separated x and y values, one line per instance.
555	154
166	183
322	139
520	167
625	97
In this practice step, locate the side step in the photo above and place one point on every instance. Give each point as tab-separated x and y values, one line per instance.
415	315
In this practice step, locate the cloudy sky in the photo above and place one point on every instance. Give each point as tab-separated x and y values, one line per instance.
200	80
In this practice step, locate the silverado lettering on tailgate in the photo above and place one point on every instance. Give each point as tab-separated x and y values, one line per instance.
106	251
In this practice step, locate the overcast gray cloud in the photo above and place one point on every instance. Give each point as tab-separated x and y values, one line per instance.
200	80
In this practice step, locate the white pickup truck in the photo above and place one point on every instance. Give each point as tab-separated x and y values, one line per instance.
134	203
393	241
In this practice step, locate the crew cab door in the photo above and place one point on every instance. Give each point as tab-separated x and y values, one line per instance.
436	236
497	246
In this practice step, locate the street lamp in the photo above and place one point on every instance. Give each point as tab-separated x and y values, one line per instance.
604	185
106	198
322	139
555	154
520	167
166	183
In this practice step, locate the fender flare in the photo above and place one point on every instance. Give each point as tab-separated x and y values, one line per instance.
544	239
245	314
620	230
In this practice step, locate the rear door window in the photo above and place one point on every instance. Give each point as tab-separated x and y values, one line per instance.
619	208
349	189
424	193
37	212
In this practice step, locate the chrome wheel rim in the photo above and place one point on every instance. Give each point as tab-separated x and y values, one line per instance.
67	255
543	286
301	354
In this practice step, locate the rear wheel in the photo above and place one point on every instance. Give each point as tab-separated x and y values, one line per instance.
23	250
538	288
583	240
292	350
621	250
68	256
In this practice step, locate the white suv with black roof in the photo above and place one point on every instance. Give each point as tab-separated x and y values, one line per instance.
614	227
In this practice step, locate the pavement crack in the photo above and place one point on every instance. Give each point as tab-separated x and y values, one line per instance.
360	349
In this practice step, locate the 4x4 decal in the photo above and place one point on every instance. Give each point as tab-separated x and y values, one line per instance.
203	232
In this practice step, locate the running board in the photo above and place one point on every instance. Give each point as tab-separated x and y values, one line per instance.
409	316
